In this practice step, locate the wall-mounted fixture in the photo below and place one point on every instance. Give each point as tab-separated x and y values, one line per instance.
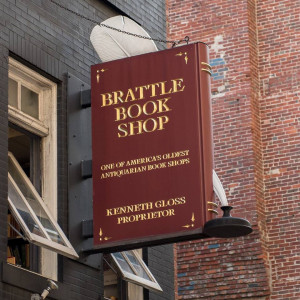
51	286
226	226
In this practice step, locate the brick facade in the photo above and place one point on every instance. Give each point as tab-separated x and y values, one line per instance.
254	53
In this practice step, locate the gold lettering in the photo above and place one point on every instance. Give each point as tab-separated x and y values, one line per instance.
151	111
120	113
170	202
179	162
157	166
142	126
149	108
123	128
118	96
153	89
129	209
146	128
131	95
177	83
163	89
109	212
141	91
161	121
135	125
106	99
134	107
162	107
146	216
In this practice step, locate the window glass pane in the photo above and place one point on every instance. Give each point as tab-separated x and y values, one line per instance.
12	93
23	210
134	270
137	265
122	262
30	102
33	202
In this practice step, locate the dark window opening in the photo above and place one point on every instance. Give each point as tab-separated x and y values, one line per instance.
26	148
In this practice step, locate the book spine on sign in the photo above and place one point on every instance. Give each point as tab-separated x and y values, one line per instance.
205	71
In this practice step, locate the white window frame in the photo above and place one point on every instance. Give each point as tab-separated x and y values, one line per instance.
46	241
151	284
35	82
46	128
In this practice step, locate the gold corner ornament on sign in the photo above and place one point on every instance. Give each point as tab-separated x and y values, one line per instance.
101	236
193	220
98	74
185	56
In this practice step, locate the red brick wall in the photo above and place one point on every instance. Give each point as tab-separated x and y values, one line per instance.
279	70
221	269
254	52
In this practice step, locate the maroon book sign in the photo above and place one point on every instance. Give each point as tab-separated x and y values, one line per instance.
152	148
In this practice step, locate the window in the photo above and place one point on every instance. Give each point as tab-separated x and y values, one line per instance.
130	266
32	178
32	214
134	269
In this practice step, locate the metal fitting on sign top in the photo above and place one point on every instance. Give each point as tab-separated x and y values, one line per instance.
186	39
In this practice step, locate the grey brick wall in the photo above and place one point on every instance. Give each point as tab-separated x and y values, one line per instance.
4	37
149	14
161	263
55	42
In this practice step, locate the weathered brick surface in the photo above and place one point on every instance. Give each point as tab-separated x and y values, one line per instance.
254	52
221	269
279	61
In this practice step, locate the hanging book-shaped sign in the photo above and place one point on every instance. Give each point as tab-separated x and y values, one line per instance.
152	148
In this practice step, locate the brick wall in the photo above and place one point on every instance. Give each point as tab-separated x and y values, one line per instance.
54	42
254	52
161	263
279	60
3	143
254	49
221	269
230	268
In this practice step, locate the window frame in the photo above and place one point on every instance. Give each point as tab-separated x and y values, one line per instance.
151	284
31	80
46	242
45	127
